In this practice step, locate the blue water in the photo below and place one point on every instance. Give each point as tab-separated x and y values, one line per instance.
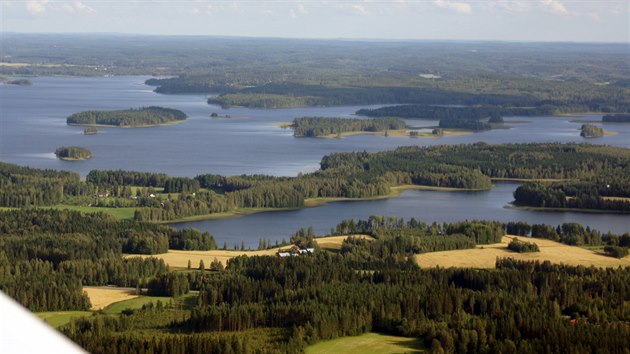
33	125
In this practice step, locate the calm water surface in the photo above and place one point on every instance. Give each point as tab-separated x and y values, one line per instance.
427	206
33	125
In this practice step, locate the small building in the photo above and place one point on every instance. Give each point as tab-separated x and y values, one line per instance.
103	194
284	254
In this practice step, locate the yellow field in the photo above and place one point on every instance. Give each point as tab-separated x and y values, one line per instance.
179	259
486	255
102	296
14	65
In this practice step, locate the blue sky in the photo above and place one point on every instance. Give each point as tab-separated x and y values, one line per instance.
518	20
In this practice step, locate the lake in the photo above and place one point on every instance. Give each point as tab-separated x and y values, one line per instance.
423	205
33	125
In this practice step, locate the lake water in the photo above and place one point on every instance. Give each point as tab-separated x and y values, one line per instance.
423	205
33	125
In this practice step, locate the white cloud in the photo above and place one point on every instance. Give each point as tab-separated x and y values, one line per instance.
361	10
511	5
302	10
81	7
460	7
554	7
36	6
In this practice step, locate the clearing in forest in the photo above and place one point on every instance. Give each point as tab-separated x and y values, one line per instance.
485	256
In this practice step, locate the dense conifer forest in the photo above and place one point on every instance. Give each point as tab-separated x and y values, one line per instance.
128	117
73	153
322	126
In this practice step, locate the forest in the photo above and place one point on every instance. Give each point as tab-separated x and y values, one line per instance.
274	304
322	126
448	113
128	117
72	153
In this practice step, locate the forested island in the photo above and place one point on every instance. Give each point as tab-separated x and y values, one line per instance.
73	153
591	131
334	127
19	82
341	176
128	118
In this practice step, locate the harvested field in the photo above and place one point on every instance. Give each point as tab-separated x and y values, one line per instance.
485	256
179	259
103	296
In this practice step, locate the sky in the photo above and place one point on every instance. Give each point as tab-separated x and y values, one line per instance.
508	20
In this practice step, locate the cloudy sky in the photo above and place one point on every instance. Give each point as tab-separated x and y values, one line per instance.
521	20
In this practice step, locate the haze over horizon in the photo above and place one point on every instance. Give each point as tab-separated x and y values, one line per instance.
502	20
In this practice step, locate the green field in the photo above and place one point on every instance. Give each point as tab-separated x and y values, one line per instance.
368	343
59	318
119	213
136	303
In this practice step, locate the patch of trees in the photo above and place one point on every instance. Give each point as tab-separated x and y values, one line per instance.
128	117
20	82
591	131
24	186
616	251
73	153
579	195
321	126
616	118
454	113
572	234
519	246
467	124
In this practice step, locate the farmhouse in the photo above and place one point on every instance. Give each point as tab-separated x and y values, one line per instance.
295	251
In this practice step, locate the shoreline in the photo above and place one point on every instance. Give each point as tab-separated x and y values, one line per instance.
395	191
575	210
126	126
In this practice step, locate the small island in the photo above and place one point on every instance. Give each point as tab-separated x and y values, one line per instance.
90	131
336	127
591	131
20	82
73	153
128	118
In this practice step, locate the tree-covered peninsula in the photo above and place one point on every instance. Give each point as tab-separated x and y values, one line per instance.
616	118
73	153
158	197
128	118
331	127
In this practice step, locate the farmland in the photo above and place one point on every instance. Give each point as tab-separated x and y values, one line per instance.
485	256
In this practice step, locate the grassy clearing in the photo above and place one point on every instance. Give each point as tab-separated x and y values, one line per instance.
57	319
485	256
135	303
119	213
368	343
179	259
103	296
